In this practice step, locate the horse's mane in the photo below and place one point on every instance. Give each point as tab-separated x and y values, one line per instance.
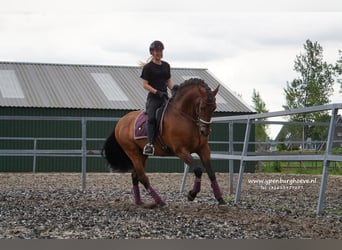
193	82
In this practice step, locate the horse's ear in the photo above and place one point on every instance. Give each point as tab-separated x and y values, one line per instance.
216	90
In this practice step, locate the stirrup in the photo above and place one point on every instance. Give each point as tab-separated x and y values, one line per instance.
148	149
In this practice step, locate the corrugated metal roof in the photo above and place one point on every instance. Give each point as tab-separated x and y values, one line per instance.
84	86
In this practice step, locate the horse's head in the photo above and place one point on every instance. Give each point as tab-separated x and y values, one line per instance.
204	109
195	100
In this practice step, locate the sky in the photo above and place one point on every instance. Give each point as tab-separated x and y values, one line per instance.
245	44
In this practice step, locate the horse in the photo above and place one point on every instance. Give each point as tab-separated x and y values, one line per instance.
186	126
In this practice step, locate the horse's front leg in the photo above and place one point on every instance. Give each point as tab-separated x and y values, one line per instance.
197	184
205	158
188	159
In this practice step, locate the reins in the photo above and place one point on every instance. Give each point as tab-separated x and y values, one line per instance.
170	104
198	121
195	116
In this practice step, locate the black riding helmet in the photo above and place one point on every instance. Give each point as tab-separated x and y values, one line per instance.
156	45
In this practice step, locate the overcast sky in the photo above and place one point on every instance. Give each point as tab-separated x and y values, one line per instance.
246	45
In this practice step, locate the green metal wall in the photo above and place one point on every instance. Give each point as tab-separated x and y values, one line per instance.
72	129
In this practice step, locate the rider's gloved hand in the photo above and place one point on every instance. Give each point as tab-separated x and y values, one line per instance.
162	94
174	89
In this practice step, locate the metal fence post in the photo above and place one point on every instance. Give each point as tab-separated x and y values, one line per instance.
186	171
231	162
34	155
326	162
243	162
84	152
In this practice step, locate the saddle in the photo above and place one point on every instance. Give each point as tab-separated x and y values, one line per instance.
140	131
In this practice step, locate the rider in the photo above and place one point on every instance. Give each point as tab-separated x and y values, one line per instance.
156	76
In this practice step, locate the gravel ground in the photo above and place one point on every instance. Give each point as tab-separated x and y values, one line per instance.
52	206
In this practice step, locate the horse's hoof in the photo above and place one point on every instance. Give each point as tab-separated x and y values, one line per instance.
222	202
191	197
153	205
150	205
223	207
162	204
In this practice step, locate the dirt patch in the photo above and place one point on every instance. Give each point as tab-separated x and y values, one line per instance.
39	206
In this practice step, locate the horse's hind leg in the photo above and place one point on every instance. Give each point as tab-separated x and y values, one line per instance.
155	196
139	175
145	181
136	190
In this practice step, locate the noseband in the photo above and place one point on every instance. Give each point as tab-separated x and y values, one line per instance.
204	123
199	121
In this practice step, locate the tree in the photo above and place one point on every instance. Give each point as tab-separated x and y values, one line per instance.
338	69
313	87
260	107
260	129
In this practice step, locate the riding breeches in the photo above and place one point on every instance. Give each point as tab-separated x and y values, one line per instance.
152	104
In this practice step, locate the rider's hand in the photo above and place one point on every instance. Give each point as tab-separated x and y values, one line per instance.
161	94
174	89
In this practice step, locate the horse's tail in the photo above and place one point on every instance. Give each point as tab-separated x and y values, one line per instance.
114	154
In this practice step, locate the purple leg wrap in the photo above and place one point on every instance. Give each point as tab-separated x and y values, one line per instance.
216	189
136	193
197	186
155	196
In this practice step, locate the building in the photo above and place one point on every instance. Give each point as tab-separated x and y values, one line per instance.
41	89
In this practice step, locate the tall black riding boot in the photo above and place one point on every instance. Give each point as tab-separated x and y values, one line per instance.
149	148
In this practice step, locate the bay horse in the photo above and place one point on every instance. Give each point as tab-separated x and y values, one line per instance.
186	127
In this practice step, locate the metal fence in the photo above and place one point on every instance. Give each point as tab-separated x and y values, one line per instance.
34	152
326	157
242	156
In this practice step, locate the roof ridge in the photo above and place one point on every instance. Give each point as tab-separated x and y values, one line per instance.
89	65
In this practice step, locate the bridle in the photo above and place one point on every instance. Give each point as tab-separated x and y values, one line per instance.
197	120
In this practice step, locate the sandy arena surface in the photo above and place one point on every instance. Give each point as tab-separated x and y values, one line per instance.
53	206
